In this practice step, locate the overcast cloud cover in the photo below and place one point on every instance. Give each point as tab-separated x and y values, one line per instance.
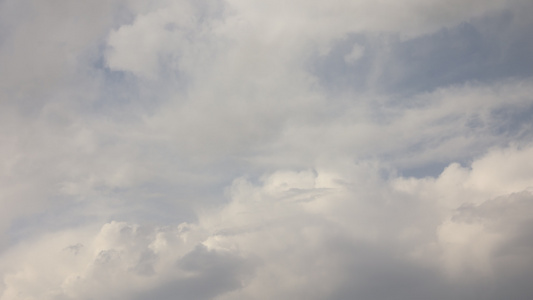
251	149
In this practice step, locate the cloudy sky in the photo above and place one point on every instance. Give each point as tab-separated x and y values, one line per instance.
258	150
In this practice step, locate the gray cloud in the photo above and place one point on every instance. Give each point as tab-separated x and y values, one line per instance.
265	150
483	49
317	234
212	274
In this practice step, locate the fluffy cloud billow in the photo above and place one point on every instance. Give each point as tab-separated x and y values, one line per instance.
313	234
266	150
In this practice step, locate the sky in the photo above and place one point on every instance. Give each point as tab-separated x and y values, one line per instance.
257	150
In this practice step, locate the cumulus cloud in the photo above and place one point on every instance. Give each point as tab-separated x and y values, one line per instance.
258	150
121	261
309	234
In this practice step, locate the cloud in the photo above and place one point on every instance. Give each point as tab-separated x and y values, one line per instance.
258	150
375	238
304	234
354	55
120	261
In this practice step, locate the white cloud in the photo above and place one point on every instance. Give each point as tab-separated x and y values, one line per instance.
194	150
119	261
291	233
354	55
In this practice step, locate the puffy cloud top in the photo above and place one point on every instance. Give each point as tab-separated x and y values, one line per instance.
234	149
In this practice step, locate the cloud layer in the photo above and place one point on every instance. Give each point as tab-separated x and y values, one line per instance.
314	234
266	150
